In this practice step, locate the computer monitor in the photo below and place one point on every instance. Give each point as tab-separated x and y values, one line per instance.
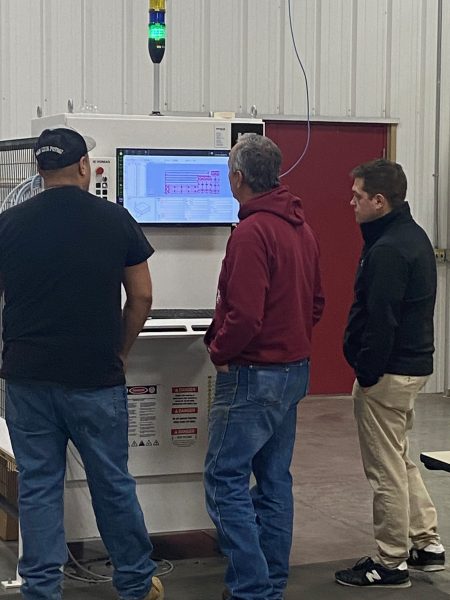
176	187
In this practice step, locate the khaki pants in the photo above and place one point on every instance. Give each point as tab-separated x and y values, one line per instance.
402	507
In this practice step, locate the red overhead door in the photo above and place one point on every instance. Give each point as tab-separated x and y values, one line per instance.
323	183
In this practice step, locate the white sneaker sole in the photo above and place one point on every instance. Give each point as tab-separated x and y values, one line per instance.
427	568
378	586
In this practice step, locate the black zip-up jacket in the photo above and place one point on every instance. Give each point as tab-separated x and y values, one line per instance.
390	325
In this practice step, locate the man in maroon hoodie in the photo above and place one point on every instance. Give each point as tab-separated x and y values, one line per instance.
269	297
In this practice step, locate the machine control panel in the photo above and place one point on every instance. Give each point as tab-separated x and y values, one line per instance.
103	177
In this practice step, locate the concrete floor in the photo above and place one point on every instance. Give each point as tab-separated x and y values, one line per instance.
332	522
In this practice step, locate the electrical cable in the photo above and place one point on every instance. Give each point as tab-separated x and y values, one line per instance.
83	566
82	579
308	121
97	576
170	567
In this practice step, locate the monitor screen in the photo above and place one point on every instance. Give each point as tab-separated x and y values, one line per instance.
176	187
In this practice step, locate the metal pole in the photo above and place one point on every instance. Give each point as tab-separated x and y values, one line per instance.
156	86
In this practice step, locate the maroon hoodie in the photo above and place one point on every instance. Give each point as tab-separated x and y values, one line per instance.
269	294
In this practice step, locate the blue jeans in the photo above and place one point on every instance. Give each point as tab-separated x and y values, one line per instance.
252	429
41	418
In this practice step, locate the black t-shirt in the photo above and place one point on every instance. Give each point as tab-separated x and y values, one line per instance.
62	260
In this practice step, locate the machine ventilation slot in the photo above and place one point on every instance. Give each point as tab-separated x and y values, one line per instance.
168	328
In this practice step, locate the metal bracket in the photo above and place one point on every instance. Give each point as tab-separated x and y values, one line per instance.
11	584
441	255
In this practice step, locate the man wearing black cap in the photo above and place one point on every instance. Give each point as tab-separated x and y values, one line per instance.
63	257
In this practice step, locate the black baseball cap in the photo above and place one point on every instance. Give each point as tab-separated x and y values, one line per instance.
59	147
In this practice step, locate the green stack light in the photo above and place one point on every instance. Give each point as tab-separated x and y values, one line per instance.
157	30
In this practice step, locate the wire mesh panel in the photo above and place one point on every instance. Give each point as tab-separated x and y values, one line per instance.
17	163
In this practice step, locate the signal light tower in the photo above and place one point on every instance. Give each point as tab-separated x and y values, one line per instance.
156	43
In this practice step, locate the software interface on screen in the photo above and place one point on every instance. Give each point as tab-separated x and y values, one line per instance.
176	186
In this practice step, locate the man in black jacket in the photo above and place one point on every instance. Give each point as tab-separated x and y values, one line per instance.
389	344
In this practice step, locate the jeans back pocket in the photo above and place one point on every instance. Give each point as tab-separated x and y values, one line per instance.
266	385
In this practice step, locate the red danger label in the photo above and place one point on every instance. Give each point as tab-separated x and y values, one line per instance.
190	431
179	390
191	410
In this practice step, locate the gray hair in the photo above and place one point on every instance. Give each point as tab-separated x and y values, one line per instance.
259	161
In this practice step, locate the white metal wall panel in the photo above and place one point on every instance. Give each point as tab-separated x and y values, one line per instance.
412	98
424	168
104	35
370	63
20	65
188	56
307	36
336	31
228	51
362	57
137	78
63	50
263	55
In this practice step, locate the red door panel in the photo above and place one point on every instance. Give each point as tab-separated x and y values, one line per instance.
323	183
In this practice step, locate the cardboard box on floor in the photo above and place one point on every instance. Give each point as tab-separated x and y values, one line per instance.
8	478
8	489
9	529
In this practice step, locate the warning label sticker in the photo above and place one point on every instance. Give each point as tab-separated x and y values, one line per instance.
143	427
184	415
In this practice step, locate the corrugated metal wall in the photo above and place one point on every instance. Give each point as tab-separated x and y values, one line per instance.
364	58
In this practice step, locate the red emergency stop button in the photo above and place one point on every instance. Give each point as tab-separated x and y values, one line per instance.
99	170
